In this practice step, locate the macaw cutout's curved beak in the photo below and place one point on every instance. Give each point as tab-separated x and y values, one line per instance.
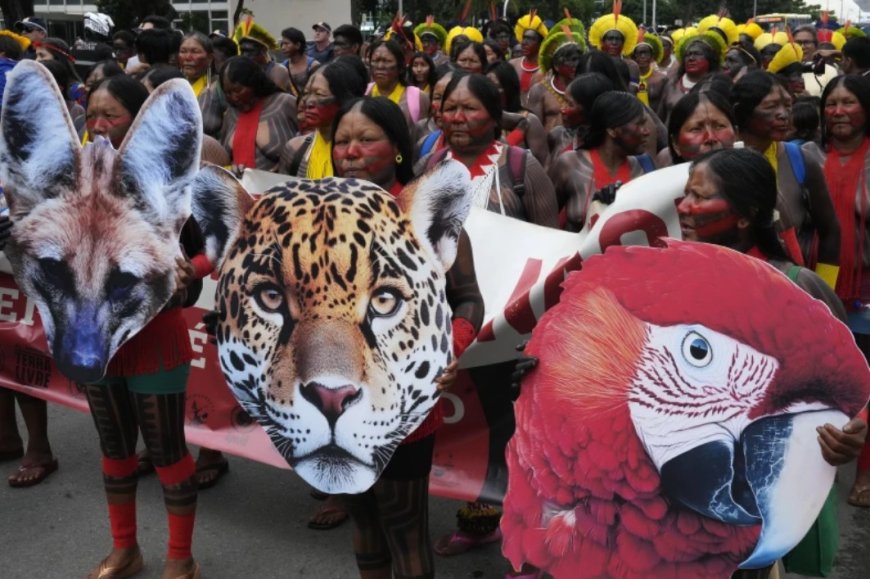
762	478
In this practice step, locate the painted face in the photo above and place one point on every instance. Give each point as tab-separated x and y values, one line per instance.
468	61
704	214
612	43
342	46
430	44
632	136
252	50
239	96
572	113
465	120
733	63
385	68
530	44
565	62
643	57
504	39
771	119
437	97
193	60
667	49
705	130
43	54
845	118
362	150
420	70
320	104
695	60
107	117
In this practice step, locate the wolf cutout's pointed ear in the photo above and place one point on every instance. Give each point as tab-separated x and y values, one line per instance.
161	153
438	203
39	149
219	205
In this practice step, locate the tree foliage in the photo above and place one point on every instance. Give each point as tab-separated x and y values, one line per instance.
128	13
447	12
15	10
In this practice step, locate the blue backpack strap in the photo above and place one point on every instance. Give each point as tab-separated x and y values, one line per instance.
428	143
646	163
796	159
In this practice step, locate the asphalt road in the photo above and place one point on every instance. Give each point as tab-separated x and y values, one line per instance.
251	525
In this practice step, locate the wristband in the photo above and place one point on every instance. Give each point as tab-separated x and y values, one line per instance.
201	266
463	335
828	273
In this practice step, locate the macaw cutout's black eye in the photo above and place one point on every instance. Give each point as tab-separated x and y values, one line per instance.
697	350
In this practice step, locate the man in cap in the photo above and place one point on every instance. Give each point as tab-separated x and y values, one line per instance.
432	36
529	31
321	49
34	29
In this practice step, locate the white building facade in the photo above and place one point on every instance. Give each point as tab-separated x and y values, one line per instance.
66	16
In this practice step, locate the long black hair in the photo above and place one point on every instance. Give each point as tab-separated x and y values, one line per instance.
858	86
483	90
748	182
686	107
748	92
244	71
509	81
389	117
125	89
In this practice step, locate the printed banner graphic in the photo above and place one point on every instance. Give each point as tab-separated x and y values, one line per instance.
669	428
519	267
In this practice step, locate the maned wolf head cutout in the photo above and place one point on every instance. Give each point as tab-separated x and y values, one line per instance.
334	320
96	230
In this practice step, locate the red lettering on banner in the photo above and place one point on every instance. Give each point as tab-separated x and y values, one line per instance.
15	306
553	283
518	312
630	221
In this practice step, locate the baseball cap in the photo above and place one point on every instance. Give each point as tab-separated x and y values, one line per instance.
30	23
324	25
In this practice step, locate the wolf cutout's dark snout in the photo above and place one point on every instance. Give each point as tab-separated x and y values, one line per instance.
82	347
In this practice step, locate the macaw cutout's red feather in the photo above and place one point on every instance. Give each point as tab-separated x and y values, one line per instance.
582	492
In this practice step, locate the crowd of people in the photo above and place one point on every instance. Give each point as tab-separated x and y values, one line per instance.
550	120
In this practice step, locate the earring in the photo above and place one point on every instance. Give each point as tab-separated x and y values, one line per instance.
399	159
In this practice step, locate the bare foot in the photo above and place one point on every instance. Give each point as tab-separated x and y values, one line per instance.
180	569
859	496
119	563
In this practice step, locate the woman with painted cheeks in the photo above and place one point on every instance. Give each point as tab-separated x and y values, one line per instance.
762	113
700	123
328	88
699	56
506	179
388	76
428	133
391	531
846	137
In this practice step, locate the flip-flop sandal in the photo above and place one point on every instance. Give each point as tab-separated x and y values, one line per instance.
860	497
219	468
327	511
6	455
41	470
457	543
